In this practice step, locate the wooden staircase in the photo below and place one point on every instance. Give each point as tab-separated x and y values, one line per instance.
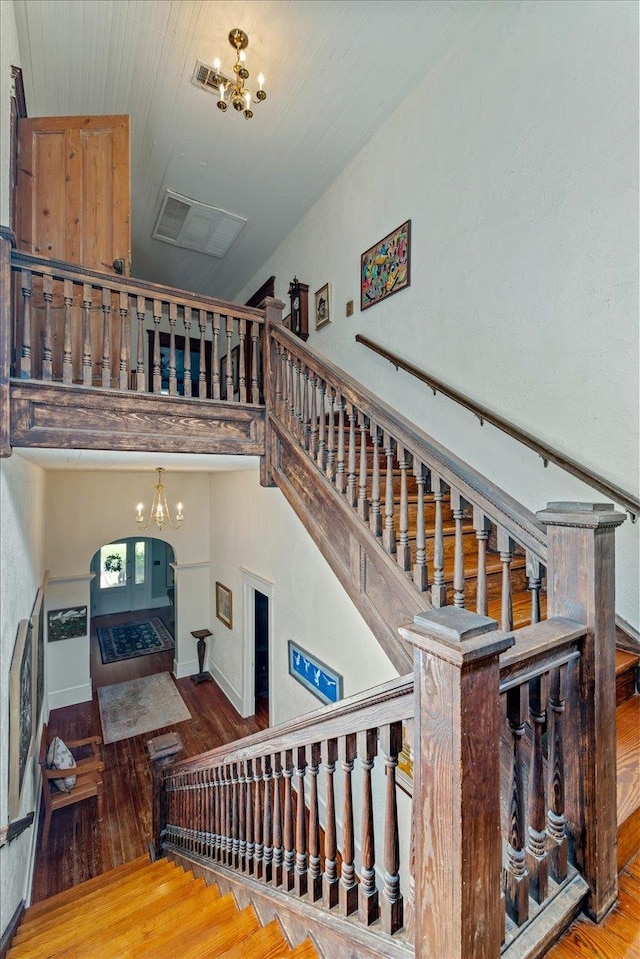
153	910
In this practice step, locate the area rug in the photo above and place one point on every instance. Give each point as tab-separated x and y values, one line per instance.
133	639
140	706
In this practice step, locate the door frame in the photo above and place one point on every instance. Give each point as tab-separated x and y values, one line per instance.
251	583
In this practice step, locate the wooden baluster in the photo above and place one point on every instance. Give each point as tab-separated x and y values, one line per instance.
87	359
305	406
141	312
278	848
457	505
403	554
534	579
389	531
208	813
242	816
289	854
235	813
278	377
516	875
67	356
25	353
348	885
392	909
202	812
295	417
367	890
106	339
125	341
242	372
286	385
225	846
505	546
322	442
313	418
202	371
267	822
330	468
315	872
249	813
173	379
258	855
352	494
438	587
222	816
255	341
341	475
556	820
47	349
228	326
301	861
536	854
375	514
420	569
363	501
330	882
157	372
187	350
482	526
215	359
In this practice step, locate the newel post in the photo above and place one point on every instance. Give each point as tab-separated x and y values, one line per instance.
581	586
273	310
458	855
162	752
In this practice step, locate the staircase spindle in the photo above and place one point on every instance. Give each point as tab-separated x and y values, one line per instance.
141	307
242	373
367	890
87	360
249	814
258	854
157	372
294	403
301	861
173	379
348	887
482	526
313	418
187	350
363	501
215	360
106	338
420	570
47	350
330	466
125	341
277	389
505	547
322	415
289	853
219	816
305	407
438	587
228	326
341	475
403	552
210	813
67	356
286	385
389	531
242	816
255	341
534	580
516	875
330	883
228	808
25	353
556	820
315	873
352	496
278	848
375	515
235	814
392	908
202	369
267	821
536	854
457	506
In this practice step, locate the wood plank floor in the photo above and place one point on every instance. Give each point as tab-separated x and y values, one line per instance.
79	847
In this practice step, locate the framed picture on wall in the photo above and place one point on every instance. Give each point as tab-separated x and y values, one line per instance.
66	623
224	605
21	714
385	267
323	306
314	675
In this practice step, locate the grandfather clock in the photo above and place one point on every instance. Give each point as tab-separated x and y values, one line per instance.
299	295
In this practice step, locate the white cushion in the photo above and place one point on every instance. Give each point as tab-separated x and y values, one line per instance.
60	757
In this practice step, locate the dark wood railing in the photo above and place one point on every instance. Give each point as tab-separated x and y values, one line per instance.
547	453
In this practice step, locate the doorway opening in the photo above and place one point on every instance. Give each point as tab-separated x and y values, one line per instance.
257	595
261	653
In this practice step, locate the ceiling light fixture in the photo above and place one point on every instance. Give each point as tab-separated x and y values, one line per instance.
239	97
159	510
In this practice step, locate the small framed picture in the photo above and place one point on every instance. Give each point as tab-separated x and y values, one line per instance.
66	623
323	306
314	675
224	607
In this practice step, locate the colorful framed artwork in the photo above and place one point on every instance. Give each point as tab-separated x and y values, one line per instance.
21	714
66	623
323	306
385	267
224	605
314	675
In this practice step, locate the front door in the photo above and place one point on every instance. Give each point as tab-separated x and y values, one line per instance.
122	579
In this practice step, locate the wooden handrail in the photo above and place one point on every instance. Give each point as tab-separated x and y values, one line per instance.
548	454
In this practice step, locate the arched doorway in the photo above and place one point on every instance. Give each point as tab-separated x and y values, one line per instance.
132	573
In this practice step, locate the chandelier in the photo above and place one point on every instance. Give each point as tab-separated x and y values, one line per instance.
159	510
239	96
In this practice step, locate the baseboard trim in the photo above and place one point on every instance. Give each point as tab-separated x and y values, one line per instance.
7	936
187	668
70	696
230	692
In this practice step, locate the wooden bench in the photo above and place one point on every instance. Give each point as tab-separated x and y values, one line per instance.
88	773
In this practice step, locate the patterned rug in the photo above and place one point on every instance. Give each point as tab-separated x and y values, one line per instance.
133	639
140	706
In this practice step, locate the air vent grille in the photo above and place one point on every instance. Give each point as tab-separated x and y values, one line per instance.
203	77
192	225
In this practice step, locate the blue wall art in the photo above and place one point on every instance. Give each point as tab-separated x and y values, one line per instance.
313	674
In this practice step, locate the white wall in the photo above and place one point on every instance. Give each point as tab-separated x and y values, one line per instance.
516	161
255	529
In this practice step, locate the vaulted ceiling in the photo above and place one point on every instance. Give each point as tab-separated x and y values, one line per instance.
335	69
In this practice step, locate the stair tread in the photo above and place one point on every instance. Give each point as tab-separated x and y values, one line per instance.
268	942
306	950
200	939
628	757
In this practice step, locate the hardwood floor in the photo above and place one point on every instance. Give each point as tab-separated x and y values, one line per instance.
79	847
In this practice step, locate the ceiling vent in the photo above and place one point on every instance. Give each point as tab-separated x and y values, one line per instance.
196	226
203	77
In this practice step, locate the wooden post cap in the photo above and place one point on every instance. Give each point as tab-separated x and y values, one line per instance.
201	633
457	635
589	515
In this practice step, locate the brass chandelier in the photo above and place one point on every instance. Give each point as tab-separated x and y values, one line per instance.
159	510
239	96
